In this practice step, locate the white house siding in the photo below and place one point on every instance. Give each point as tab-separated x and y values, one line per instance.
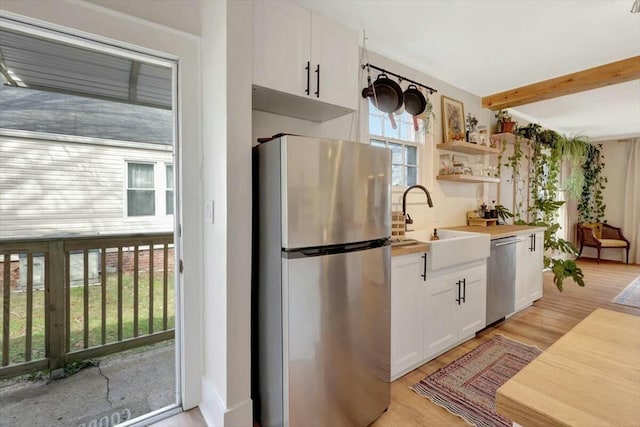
62	188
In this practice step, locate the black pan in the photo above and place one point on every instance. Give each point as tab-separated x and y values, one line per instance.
414	103
386	95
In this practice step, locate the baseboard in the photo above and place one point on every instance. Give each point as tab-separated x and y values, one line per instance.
215	412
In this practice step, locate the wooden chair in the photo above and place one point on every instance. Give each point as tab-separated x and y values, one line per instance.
601	236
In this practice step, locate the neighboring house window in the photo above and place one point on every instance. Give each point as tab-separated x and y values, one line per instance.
141	194
403	143
169	189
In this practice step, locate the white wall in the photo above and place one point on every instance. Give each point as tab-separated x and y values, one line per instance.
55	188
77	17
226	71
451	200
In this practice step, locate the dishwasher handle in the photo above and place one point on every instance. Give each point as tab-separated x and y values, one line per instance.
507	243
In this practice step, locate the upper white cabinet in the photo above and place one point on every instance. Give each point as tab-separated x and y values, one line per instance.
304	65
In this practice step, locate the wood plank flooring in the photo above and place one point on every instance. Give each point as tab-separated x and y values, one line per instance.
541	325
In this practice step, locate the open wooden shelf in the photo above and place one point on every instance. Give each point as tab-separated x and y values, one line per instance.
467	178
467	148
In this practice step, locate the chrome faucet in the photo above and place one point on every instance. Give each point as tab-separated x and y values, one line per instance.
407	218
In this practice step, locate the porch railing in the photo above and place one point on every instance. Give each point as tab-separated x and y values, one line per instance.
70	299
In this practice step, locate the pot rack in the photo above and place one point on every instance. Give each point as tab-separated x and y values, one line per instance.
399	77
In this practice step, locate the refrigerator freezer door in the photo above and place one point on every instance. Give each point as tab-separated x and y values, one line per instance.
333	192
336	338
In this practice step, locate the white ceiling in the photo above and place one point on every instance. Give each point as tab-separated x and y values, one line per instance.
488	46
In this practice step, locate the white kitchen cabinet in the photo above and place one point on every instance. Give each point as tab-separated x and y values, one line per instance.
406	312
473	307
455	307
536	265
430	315
440	314
529	266
304	65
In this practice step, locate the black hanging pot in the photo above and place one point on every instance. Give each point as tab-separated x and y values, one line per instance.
414	103
386	95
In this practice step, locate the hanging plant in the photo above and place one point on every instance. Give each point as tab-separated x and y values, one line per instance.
574	150
547	152
429	116
591	207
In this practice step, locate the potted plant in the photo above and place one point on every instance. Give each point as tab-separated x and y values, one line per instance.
505	122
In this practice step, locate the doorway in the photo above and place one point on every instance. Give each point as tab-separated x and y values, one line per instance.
88	182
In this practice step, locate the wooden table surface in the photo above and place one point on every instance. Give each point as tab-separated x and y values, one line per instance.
589	377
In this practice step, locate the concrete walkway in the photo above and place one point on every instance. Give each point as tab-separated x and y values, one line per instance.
121	387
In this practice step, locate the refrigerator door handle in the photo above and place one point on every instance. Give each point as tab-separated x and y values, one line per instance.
334	249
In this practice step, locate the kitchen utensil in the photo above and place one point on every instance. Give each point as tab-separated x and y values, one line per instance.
414	103
386	95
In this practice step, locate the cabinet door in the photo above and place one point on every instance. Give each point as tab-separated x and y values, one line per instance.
473	309
440	314
406	313
522	272
281	46
535	267
335	49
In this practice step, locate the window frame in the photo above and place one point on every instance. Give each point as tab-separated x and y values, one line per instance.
403	120
127	189
160	188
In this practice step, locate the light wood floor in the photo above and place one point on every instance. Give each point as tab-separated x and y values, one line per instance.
541	325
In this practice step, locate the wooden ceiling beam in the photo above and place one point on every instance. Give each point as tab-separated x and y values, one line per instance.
593	78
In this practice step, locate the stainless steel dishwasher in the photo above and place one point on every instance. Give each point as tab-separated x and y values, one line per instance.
501	279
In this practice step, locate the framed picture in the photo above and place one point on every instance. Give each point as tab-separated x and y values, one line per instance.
453	126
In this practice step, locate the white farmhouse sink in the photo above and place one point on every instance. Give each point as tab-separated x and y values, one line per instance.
454	247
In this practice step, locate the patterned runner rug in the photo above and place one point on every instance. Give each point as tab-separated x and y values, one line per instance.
467	387
630	295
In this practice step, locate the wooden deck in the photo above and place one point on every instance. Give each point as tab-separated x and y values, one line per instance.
45	328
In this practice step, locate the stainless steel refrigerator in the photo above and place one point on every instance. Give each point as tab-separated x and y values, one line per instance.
322	257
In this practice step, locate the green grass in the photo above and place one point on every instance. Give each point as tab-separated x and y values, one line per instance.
18	314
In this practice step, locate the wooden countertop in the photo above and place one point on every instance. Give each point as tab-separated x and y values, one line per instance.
589	377
498	231
409	249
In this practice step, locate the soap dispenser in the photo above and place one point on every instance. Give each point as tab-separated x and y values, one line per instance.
434	236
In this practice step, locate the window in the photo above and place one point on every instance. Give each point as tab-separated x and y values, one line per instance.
404	157
149	189
169	189
403	143
141	194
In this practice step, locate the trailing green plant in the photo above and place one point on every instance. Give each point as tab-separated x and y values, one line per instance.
574	150
530	131
547	150
591	207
